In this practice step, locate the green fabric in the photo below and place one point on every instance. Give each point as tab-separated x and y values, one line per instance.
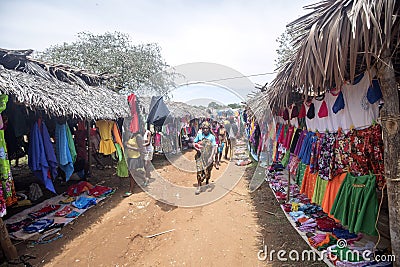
301	169
71	144
319	190
285	160
3	102
356	204
122	167
332	241
4	162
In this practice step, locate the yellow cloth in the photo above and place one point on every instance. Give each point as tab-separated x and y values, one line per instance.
133	154
106	143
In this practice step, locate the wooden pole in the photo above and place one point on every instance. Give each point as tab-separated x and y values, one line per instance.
9	249
89	147
390	116
288	188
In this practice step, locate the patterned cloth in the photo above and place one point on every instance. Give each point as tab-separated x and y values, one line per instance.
326	154
341	158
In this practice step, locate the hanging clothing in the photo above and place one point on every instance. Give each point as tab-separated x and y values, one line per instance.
362	112
356	204
134	125
315	151
319	190
341	156
326	154
71	144
106	143
80	141
63	152
331	191
308	183
41	157
117	136
122	167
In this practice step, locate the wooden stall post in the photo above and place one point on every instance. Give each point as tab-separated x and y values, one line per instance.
9	249
288	192
89	147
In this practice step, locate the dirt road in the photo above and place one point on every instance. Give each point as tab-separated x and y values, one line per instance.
224	233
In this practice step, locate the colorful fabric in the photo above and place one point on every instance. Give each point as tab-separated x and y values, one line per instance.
71	144
319	191
64	211
106	143
44	211
293	164
38	226
331	191
315	151
63	151
134	124
308	184
300	173
15	227
325	156
41	157
84	202
356	204
122	167
79	188
367	153
99	191
341	157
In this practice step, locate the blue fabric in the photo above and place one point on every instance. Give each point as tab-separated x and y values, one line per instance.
84	202
374	92
38	226
37	160
63	152
305	151
49	151
210	137
358	78
343	234
339	103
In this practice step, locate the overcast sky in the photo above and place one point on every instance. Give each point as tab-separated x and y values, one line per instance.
240	34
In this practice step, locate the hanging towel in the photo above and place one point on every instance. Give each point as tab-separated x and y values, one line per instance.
63	153
37	161
71	144
49	151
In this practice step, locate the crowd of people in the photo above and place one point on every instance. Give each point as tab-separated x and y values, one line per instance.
220	135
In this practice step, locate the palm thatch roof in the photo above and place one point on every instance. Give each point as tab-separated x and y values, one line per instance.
177	109
337	40
57	92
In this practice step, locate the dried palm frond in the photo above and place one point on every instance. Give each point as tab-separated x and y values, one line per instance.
337	40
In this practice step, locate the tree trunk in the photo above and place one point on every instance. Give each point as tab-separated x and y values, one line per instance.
9	249
391	137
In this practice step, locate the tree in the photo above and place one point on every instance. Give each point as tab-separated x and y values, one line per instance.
286	49
234	106
215	105
139	68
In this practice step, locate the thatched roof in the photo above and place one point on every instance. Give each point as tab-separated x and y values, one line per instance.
61	99
57	92
177	109
336	41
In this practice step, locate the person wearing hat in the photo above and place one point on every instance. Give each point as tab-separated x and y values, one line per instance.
206	146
